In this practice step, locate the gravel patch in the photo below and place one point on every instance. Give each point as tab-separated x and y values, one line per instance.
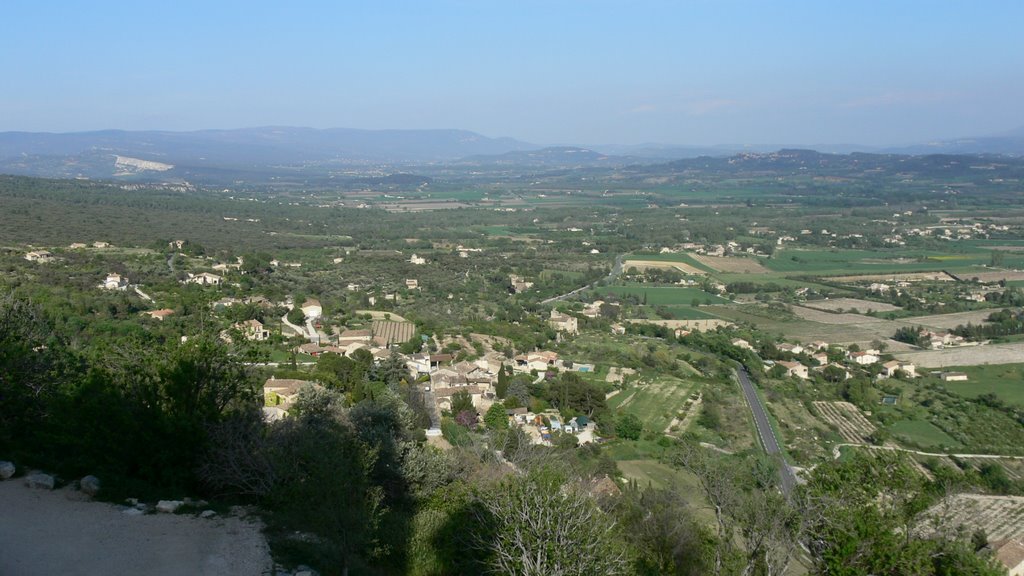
62	532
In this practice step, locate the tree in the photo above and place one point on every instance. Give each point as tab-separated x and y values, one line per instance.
663	531
504	378
466	418
628	426
323	486
296	316
757	528
496	419
868	516
462	402
34	366
391	371
541	525
571	392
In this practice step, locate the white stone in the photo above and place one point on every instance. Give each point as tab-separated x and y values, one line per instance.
134	512
7	469
169	506
40	481
89	485
207	514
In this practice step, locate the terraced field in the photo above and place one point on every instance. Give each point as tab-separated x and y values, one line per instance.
1014	468
999	516
852	425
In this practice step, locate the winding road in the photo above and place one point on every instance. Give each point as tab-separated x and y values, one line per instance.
765	432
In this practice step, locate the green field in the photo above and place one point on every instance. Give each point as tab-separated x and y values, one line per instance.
922	433
664	295
655	402
842	262
1004	380
689	313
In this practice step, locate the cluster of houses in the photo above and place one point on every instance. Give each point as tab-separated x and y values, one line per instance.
726	249
940	340
817	352
443	378
541	427
41	256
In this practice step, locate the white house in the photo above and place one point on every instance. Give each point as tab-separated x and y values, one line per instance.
818	345
519	284
890	368
414	259
741	343
794	369
563	322
39	256
115	282
204	279
862	358
253	330
791	348
953	377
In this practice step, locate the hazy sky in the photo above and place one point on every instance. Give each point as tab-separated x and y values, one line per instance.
545	71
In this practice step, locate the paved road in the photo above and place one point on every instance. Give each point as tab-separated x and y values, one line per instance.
765	432
616	270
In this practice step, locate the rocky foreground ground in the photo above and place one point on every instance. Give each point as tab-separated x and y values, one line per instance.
61	531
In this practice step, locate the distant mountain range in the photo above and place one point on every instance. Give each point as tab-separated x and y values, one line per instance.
95	154
263	154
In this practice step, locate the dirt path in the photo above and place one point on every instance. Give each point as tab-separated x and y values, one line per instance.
59	532
836	452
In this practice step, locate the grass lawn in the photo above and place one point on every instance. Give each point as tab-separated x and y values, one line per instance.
654	402
922	433
664	295
283	356
1004	380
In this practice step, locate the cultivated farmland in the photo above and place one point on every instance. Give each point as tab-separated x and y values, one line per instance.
732	265
966	355
852	425
834	304
999	516
642	265
655	402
